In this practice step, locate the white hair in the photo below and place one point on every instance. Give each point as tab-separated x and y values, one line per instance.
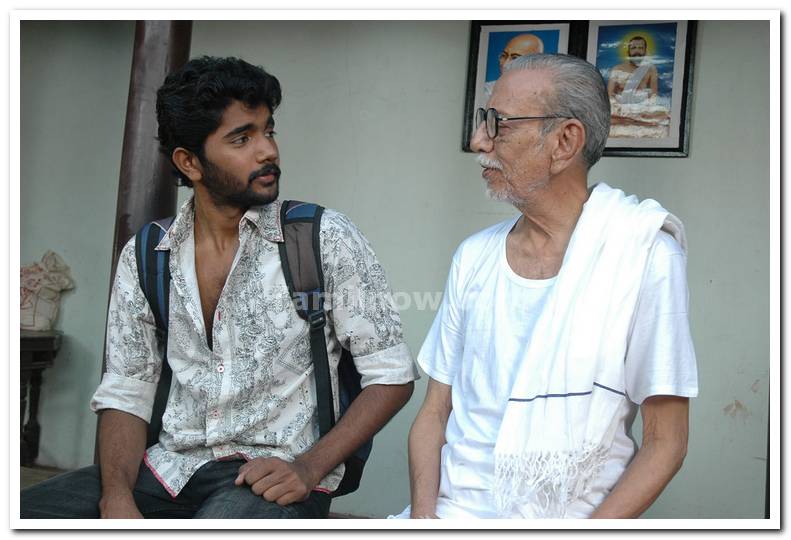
580	93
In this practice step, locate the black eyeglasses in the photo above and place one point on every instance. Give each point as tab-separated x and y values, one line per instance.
492	120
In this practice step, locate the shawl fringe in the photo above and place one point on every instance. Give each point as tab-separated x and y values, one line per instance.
550	480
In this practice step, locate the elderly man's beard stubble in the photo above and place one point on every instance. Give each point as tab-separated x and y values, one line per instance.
505	193
496	195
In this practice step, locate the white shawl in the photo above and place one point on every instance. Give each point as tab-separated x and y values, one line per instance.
629	94
562	415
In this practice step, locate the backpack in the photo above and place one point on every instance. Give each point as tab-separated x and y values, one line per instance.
300	257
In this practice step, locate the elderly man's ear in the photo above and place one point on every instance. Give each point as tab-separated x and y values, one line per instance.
568	148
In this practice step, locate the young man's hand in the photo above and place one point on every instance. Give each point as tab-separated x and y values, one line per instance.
276	480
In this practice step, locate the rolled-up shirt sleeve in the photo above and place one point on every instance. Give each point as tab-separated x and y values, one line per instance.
361	305
133	362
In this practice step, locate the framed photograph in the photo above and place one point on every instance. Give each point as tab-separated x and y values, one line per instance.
494	43
647	66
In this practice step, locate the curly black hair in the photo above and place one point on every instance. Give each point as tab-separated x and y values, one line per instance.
192	100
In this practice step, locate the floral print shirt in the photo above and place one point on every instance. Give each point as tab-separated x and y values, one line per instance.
253	393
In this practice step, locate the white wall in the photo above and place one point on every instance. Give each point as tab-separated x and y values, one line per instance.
371	125
74	84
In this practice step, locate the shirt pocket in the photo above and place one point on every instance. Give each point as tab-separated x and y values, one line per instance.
295	355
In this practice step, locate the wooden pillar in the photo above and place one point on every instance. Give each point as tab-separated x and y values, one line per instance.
146	187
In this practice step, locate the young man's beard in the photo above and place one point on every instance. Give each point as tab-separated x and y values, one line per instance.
223	188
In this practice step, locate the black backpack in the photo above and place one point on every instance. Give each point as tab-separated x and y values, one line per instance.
300	257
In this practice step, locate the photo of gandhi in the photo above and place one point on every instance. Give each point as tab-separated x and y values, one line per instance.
520	45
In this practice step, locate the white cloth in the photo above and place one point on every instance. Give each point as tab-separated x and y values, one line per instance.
40	287
563	411
630	92
476	345
253	393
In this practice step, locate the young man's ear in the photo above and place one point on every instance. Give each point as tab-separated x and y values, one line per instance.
188	163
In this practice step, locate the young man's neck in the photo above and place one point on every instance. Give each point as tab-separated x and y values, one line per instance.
218	225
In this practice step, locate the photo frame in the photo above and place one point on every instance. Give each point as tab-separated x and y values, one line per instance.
647	66
491	40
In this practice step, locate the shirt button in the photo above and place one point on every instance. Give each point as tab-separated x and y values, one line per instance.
220	368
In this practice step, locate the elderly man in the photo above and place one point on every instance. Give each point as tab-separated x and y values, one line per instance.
556	325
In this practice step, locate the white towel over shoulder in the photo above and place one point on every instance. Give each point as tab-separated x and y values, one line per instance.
562	414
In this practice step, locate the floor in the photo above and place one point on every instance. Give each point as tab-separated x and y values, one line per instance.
30	476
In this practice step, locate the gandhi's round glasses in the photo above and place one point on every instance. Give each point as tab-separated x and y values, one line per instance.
492	119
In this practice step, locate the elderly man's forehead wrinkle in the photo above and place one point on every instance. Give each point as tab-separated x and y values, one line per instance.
522	91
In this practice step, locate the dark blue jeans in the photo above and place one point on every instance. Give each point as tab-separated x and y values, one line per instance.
210	493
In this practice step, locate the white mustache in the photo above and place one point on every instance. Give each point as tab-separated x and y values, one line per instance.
489	163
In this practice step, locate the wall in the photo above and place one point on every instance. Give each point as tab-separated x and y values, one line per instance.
74	84
371	125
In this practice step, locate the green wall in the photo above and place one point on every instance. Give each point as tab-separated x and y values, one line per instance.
371	125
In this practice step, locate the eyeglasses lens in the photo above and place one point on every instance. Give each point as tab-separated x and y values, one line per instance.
489	118
491	123
480	115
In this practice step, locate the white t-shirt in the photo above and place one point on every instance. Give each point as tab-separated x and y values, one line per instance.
480	361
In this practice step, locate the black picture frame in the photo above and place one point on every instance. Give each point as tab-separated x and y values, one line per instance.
574	43
583	43
675	105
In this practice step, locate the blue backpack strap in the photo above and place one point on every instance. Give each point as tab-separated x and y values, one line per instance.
300	257
153	272
301	261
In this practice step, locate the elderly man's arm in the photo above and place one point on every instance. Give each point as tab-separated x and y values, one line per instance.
425	444
665	431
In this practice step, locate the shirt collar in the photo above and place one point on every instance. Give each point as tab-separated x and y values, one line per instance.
266	220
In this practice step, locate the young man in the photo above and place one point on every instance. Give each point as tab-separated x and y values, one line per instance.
555	326
239	435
